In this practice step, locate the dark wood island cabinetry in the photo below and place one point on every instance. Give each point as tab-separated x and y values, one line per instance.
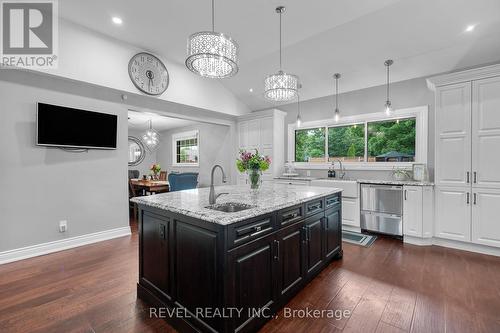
232	277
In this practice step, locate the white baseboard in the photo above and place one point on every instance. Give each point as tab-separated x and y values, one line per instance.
478	248
63	244
351	228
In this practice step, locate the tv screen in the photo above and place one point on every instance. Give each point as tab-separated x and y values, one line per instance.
61	126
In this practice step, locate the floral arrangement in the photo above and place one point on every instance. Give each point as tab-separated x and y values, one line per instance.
156	168
255	161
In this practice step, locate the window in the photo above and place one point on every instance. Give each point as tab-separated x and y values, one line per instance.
346	143
186	148
364	142
310	145
392	140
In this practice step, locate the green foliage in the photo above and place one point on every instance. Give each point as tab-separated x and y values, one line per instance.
387	136
346	141
309	143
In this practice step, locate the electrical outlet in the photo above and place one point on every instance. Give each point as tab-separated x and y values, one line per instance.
63	226
308	173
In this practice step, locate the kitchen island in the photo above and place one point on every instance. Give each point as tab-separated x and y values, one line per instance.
229	267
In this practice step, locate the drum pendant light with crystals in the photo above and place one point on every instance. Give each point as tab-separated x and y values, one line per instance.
281	86
388	104
151	138
212	54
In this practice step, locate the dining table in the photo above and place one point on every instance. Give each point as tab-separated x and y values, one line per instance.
150	186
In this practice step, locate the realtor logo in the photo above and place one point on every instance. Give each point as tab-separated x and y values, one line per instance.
29	33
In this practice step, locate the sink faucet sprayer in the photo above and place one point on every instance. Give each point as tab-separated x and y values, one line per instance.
341	170
212	198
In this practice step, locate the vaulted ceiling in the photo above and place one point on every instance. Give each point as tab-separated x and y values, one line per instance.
321	37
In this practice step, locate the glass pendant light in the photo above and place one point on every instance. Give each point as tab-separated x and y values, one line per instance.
281	86
336	114
151	138
299	119
388	107
212	54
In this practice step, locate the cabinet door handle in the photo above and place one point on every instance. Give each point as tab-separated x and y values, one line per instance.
475	199
475	177
468	199
468	177
277	255
406	194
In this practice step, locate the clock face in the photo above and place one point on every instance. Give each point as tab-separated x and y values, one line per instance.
148	74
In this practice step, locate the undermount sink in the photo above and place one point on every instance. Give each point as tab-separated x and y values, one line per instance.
230	207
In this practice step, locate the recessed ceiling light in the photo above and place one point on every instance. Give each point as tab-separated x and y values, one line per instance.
251	89
117	20
470	28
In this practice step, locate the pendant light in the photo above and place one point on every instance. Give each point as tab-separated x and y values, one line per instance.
299	119
151	138
281	86
336	113
212	54
388	107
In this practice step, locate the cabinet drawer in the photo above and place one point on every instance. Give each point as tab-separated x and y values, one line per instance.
314	206
290	215
332	201
255	228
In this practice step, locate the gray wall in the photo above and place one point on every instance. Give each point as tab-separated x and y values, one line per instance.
216	147
41	186
149	159
404	94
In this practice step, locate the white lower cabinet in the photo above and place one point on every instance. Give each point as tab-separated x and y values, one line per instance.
350	211
412	211
485	217
453	213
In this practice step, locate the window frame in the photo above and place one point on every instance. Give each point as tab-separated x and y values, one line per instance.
185	136
420	113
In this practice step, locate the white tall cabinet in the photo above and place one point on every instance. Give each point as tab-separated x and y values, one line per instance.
467	170
264	131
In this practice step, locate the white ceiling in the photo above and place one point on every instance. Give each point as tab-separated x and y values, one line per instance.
139	121
321	37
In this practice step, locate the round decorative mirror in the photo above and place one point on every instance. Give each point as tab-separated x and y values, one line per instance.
136	151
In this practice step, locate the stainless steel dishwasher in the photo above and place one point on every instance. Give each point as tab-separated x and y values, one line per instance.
382	208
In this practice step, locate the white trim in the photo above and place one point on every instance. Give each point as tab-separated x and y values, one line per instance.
463	76
471	247
351	228
184	136
62	244
421	113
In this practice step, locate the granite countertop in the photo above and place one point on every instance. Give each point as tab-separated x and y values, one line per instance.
270	197
396	182
295	178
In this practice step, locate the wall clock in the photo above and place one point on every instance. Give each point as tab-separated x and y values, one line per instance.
148	73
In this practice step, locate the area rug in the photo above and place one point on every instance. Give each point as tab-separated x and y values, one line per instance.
357	238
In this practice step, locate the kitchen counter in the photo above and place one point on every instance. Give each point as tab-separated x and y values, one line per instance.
270	197
395	182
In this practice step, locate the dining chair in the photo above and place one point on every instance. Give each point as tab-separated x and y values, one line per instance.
182	181
163	175
133	174
132	193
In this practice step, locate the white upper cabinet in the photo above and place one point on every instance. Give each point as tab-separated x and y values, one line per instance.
243	135
453	135
412	211
485	219
254	134
453	214
486	133
266	132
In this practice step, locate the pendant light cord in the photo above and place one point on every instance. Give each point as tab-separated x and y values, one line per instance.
336	93
388	82
213	16
280	37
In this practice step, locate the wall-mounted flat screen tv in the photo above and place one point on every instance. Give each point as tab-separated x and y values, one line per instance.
59	126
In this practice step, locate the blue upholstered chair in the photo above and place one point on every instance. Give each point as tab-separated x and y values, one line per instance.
182	181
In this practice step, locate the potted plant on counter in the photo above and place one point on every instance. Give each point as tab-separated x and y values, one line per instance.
253	164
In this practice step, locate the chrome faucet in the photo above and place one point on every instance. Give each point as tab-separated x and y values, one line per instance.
341	170
212	198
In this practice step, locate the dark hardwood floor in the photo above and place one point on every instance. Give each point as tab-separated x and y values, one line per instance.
389	287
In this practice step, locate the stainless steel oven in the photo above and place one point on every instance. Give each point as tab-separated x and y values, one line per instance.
382	208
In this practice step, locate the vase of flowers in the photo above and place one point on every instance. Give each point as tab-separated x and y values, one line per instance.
253	164
155	168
